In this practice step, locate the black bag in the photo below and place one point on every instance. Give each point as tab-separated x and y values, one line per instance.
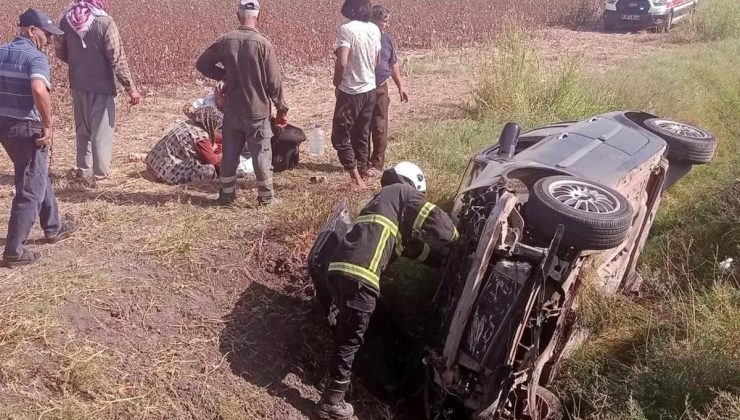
285	144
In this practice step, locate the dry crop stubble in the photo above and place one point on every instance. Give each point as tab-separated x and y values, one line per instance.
163	38
177	295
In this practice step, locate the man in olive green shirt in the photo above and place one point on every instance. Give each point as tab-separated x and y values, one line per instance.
253	81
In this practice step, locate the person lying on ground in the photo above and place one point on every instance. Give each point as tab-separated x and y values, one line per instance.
398	221
388	68
358	49
26	133
190	151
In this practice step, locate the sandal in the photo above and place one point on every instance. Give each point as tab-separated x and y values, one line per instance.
67	229
29	257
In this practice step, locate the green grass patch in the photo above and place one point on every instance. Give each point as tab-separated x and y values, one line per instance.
714	20
673	353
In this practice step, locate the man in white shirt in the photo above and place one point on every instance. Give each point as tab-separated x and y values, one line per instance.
358	49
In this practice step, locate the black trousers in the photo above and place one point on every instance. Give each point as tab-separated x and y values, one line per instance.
350	134
356	303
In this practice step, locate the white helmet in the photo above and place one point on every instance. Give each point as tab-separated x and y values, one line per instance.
413	173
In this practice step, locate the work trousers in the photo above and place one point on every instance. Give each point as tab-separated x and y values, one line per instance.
95	121
356	303
379	127
34	195
257	135
350	133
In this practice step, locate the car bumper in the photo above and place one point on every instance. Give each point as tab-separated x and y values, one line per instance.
631	20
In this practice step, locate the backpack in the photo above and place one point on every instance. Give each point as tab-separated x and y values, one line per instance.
285	143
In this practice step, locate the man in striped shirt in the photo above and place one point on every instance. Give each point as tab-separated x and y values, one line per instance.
26	125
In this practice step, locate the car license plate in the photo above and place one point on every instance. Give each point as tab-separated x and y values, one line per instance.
630	17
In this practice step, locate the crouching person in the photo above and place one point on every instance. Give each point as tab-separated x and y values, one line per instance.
190	151
398	221
26	125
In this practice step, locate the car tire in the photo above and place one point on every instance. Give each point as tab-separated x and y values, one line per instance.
609	26
554	409
668	24
686	143
595	216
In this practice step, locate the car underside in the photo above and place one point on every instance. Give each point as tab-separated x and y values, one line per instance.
542	215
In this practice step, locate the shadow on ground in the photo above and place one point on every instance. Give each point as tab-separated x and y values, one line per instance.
269	335
75	194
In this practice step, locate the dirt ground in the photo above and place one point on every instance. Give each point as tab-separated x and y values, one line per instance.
163	306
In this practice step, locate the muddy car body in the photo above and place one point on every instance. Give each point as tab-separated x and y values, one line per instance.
534	212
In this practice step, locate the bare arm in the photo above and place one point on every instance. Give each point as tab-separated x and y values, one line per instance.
340	65
398	80
42	100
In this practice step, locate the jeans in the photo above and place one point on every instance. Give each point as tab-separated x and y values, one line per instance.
34	195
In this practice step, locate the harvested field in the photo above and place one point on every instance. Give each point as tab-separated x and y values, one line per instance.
163	38
163	306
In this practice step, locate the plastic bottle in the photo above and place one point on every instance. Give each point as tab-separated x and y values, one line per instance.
316	141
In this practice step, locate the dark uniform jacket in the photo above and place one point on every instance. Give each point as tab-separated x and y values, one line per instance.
398	221
249	66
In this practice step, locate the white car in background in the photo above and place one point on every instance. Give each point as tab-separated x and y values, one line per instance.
642	14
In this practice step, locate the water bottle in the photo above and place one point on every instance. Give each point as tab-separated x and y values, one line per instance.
316	141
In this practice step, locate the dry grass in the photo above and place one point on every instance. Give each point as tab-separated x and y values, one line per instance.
163	306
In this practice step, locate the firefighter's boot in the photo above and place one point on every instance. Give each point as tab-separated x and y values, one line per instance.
332	405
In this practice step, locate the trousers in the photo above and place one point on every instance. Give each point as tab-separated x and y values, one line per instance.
350	134
34	195
379	127
95	122
257	135
356	303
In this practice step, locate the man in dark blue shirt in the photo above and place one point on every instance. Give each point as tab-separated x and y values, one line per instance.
388	68
26	125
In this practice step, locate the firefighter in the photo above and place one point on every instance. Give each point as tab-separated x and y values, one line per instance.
398	221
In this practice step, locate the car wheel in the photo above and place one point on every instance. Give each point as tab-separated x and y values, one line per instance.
686	143
595	216
609	25
550	406
666	27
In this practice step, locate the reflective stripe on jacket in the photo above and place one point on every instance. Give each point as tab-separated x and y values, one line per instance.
397	221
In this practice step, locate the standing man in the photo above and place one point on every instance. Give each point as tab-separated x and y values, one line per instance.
26	133
387	68
252	77
92	47
357	52
397	221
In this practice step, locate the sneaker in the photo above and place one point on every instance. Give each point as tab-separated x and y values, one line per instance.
226	199
29	257
67	229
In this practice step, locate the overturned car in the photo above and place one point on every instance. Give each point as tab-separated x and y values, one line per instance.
534	211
